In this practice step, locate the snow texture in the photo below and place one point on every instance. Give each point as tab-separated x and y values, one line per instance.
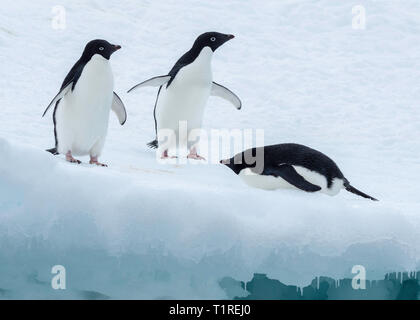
141	229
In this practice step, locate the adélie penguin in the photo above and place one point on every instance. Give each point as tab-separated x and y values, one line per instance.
82	106
183	94
290	165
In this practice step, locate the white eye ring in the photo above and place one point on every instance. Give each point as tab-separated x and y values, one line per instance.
101	48
213	39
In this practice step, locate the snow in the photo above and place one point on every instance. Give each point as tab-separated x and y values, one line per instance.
143	229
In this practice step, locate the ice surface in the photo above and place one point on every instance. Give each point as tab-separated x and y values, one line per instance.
140	229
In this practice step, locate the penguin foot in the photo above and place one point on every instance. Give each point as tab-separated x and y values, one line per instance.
193	154
98	163
166	156
94	160
195	157
73	160
70	158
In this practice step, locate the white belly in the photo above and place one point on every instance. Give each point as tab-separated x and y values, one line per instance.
263	182
82	116
185	99
273	183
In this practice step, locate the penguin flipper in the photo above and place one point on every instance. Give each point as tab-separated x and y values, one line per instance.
288	173
59	96
153	82
224	93
119	109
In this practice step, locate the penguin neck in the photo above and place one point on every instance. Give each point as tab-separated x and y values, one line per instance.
98	59
202	62
95	58
98	72
99	63
204	56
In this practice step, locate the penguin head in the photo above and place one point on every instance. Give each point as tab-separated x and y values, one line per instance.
253	159
212	39
101	47
236	163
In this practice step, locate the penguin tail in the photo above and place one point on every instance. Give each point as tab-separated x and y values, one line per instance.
153	144
53	151
352	189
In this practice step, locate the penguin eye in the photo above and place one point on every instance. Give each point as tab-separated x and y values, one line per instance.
213	39
101	48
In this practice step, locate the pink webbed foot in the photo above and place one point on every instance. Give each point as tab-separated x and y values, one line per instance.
70	158
94	160
166	156
193	155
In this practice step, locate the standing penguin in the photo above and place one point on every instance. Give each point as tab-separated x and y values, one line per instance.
82	106
290	165
183	93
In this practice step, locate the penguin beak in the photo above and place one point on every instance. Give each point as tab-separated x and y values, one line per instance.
227	161
228	37
116	47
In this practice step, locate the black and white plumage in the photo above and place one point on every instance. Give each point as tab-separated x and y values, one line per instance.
290	165
82	106
183	92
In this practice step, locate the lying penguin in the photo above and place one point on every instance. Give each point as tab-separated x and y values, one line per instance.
290	165
82	106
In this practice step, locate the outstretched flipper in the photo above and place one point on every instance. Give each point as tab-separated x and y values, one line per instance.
153	82
119	109
288	173
224	93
